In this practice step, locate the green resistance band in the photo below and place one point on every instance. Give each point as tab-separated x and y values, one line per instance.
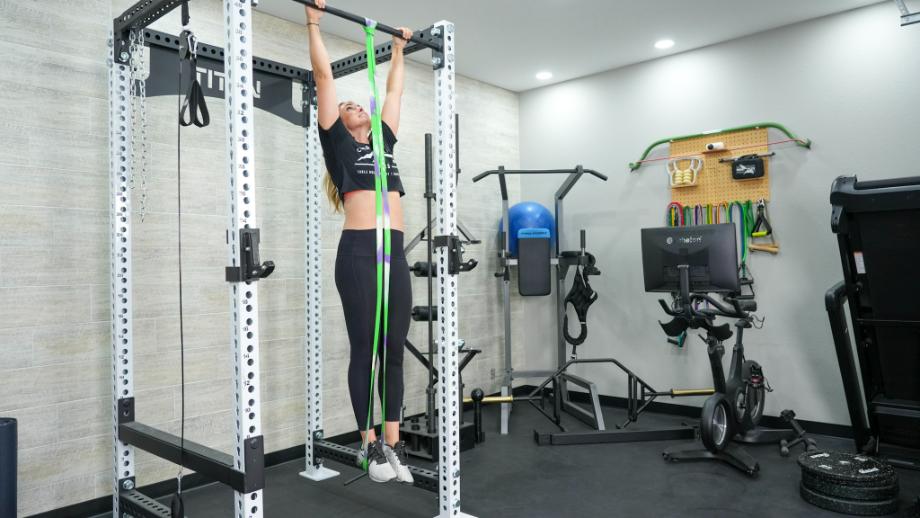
746	225
382	209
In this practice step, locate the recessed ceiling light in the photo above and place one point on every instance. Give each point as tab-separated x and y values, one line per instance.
544	75
664	44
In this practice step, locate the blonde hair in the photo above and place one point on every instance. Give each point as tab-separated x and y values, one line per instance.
332	193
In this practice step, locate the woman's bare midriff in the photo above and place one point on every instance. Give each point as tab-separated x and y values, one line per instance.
361	211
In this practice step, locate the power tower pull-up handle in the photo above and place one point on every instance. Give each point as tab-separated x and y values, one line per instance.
362	21
503	171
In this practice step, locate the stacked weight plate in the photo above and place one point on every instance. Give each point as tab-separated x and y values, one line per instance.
848	483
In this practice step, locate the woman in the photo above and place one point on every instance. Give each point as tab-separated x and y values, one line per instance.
344	130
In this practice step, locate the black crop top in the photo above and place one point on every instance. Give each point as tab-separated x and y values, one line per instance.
351	163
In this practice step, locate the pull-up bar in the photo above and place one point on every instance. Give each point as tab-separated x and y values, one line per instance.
567	184
540	171
362	20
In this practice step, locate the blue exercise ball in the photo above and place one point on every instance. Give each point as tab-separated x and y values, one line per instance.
528	214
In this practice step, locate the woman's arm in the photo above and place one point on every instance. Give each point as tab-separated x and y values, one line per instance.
328	107
390	112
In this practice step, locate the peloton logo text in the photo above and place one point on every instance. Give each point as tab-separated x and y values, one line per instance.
689	240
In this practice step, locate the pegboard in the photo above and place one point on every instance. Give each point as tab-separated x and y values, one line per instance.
715	184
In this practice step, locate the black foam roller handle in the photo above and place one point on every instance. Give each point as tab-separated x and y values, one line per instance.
8	445
421	314
424	269
477	396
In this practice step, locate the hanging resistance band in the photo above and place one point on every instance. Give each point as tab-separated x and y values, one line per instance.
741	234
382	208
745	225
675	214
722	212
748	219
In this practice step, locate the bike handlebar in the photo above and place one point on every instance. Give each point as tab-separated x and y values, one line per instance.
667	309
735	311
739	309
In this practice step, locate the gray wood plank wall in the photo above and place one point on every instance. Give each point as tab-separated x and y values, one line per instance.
54	337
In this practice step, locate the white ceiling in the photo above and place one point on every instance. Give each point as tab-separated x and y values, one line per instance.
506	42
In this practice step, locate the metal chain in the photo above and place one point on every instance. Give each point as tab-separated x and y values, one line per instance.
139	161
133	56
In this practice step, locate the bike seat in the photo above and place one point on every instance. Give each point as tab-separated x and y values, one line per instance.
722	332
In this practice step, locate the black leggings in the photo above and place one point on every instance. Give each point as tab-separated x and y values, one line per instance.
355	278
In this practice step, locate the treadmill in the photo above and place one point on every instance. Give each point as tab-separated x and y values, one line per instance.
878	230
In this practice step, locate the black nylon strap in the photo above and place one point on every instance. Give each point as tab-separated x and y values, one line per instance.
581	296
194	108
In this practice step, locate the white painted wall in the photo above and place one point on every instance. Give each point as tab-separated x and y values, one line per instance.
849	82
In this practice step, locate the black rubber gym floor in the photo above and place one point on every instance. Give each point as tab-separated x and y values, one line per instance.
511	477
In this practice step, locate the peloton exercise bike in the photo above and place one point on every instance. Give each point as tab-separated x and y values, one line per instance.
692	262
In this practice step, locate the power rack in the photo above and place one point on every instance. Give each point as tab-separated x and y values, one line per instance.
222	73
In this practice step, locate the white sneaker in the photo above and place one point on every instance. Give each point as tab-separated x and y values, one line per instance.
399	462
378	466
